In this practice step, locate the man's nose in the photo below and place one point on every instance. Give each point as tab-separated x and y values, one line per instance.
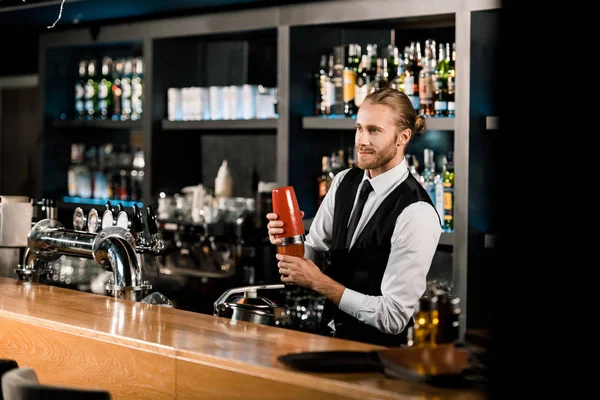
361	137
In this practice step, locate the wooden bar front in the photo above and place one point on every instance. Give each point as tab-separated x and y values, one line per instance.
142	351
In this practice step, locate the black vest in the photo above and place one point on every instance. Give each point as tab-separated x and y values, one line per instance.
362	268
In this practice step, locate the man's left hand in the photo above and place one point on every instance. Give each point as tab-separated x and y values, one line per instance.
297	270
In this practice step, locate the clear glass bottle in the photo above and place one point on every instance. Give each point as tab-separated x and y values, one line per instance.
451	82
426	82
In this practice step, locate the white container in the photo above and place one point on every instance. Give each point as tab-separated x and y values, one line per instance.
216	102
265	102
174	111
223	182
237	102
204	106
249	101
226	102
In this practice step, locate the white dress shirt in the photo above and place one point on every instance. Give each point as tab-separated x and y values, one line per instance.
413	245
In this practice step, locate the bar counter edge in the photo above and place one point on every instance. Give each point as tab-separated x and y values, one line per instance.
142	351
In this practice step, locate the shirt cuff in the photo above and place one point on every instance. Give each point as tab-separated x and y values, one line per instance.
352	302
310	253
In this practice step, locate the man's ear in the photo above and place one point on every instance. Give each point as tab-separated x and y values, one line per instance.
403	137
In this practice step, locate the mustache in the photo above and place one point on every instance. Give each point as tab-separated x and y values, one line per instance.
365	149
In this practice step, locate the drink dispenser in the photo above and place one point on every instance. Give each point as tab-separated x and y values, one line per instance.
285	205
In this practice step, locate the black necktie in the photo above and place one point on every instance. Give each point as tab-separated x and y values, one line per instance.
365	189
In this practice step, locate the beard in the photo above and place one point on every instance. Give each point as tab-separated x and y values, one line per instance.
377	158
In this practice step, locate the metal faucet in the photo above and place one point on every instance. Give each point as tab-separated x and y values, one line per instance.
114	243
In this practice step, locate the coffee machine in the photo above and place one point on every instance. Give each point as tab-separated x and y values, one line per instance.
16	213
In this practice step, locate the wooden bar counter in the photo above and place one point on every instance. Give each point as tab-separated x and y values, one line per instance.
142	351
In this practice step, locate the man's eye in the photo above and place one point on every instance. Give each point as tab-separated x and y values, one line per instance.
373	130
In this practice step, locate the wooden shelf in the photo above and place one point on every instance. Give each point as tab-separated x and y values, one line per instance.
270	123
98	124
433	124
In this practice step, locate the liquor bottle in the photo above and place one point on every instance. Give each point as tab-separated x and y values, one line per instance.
105	89
382	80
451	82
440	104
439	192
126	90
413	166
372	54
91	91
448	182
329	95
426	82
137	89
320	86
339	62
325	179
426	322
117	90
398	81
428	175
411	88
349	79
393	61
363	81
80	91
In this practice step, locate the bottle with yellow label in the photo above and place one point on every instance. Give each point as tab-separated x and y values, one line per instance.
349	79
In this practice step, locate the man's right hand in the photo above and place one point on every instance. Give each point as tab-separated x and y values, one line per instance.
275	227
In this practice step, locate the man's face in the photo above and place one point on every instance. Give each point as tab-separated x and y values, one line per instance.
376	136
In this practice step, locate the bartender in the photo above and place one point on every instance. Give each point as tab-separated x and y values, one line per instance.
376	230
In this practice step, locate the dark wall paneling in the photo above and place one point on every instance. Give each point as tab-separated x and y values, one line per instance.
189	158
19	142
245	154
193	157
483	163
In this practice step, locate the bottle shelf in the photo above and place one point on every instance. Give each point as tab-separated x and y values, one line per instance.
268	123
74	201
343	123
98	124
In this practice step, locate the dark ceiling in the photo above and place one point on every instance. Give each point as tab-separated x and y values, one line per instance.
39	14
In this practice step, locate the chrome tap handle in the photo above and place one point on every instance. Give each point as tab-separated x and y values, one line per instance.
108	217
120	208
123	220
79	219
93	222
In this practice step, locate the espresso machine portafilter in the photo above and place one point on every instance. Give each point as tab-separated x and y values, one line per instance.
117	241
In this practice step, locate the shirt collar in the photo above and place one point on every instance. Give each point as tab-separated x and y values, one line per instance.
382	183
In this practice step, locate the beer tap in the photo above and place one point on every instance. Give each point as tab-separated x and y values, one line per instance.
117	245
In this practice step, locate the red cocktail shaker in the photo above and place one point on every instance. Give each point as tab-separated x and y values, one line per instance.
285	205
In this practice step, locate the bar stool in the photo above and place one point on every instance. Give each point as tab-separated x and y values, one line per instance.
5	366
23	384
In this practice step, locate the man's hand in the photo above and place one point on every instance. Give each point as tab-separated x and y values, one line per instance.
303	272
275	227
300	271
